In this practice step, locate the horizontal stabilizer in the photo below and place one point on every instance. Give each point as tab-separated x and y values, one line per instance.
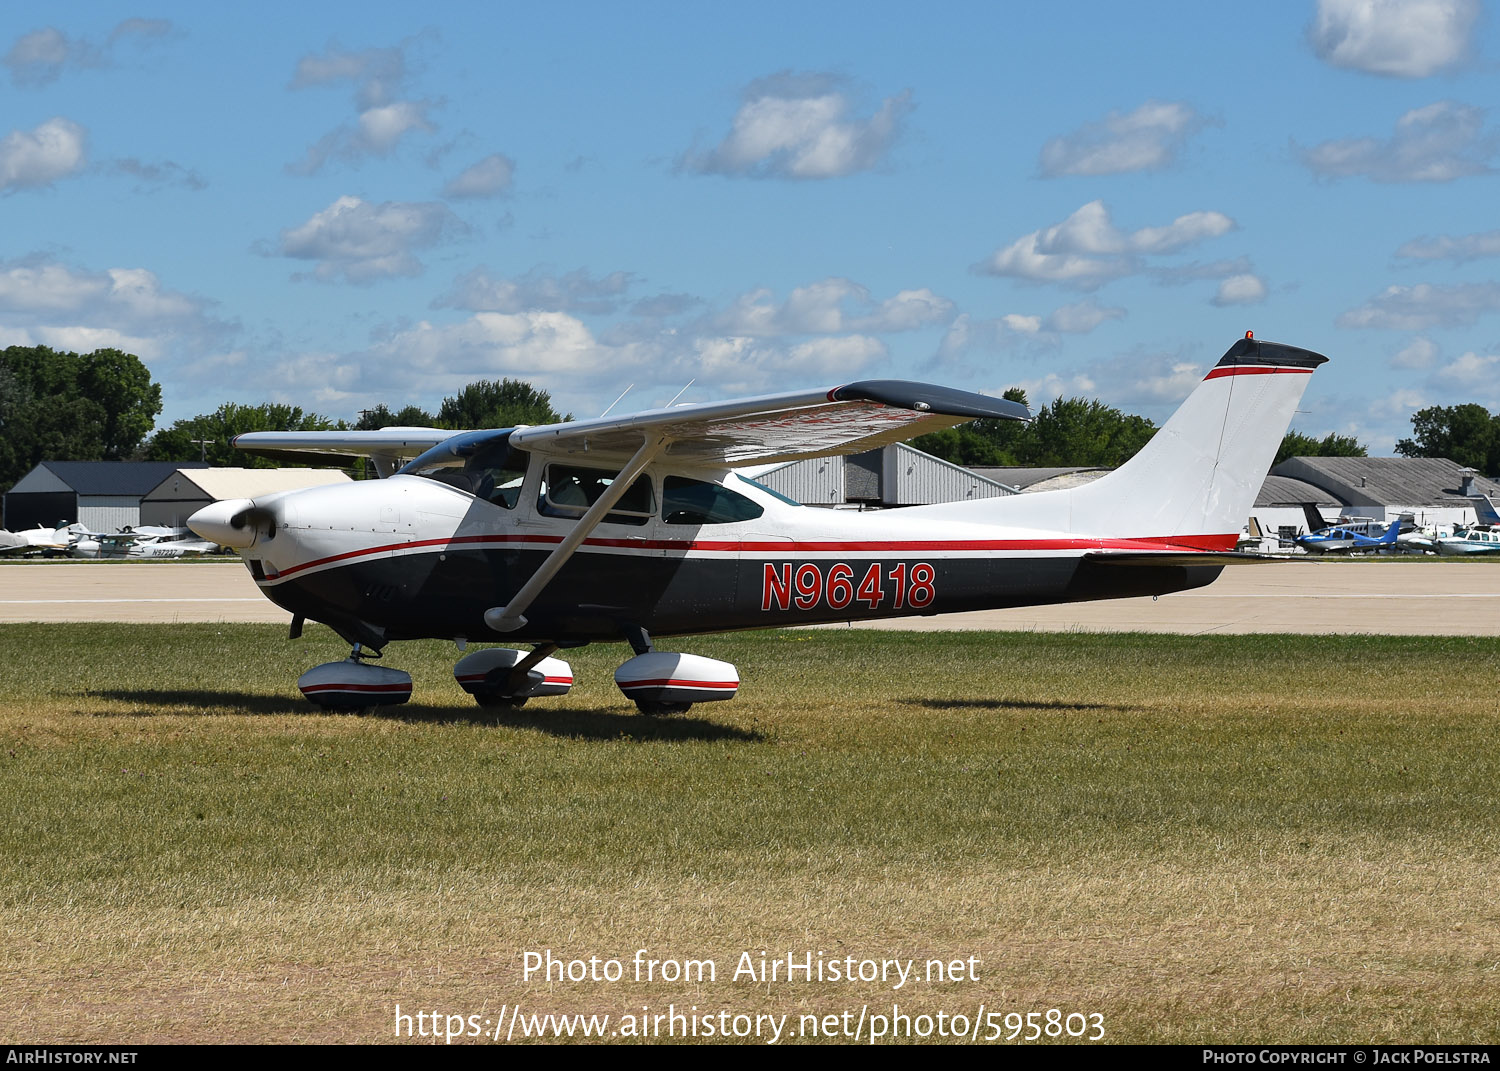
1192	557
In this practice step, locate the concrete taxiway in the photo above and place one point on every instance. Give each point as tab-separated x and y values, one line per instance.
1389	597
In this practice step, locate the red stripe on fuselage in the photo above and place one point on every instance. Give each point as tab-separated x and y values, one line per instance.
792	550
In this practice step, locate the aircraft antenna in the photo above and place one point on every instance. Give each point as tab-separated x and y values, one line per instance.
680	393
616	402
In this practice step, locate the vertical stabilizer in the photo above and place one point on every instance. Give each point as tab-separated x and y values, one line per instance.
1199	475
1484	509
1195	482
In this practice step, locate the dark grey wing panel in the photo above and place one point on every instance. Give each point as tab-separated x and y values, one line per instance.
930	398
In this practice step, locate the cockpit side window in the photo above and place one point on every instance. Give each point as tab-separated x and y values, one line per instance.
686	501
569	490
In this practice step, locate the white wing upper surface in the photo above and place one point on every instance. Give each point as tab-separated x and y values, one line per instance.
777	427
769	428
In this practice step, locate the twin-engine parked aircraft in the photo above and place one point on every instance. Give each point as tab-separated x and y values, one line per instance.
1350	537
634	527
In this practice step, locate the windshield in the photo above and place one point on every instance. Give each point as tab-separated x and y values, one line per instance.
494	471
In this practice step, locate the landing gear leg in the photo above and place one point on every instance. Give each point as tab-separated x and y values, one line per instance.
503	679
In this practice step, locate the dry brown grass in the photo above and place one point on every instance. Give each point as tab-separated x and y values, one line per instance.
1228	839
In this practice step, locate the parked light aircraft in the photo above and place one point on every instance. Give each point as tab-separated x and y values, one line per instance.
636	527
1351	536
44	539
142	542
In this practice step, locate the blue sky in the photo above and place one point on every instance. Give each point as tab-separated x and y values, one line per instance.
335	205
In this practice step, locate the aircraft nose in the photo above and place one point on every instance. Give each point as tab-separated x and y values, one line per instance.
230	523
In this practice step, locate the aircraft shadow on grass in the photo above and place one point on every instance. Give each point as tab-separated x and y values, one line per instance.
589	724
1012	704
596	724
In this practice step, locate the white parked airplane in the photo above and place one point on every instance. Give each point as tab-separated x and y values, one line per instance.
634	527
142	542
41	538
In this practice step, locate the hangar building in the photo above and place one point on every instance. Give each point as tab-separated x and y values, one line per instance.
1433	490
185	491
103	496
894	475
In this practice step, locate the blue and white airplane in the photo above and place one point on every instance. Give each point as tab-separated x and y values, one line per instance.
1354	536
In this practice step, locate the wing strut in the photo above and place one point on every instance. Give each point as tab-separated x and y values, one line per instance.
510	617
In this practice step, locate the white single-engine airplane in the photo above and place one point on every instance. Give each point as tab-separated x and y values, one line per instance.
634	527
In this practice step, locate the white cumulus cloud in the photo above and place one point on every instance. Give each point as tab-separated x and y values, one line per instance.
1425	306
1398	38
1240	290
1147	139
34	158
489	177
384	114
576	291
801	127
1081	318
1458	248
1087	250
40	57
969	333
1420	353
829	306
360	242
1471	371
51	304
1437	143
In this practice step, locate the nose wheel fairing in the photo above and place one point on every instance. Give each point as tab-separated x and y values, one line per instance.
354	684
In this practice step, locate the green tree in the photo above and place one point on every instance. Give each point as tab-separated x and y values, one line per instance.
1295	444
381	417
63	406
497	403
979	443
1063	433
184	440
1468	434
1072	431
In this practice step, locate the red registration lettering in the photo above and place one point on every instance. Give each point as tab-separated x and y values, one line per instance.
809	586
870	590
776	587
806	585
840	586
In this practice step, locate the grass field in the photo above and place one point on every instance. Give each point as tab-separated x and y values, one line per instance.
1249	839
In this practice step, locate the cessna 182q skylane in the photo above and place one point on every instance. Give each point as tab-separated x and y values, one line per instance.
634	527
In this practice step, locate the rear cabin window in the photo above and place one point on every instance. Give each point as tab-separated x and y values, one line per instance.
568	491
685	501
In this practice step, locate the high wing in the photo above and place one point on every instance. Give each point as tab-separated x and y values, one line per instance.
746	431
778	427
389	448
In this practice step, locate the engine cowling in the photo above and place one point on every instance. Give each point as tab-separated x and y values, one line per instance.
488	671
354	685
672	678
